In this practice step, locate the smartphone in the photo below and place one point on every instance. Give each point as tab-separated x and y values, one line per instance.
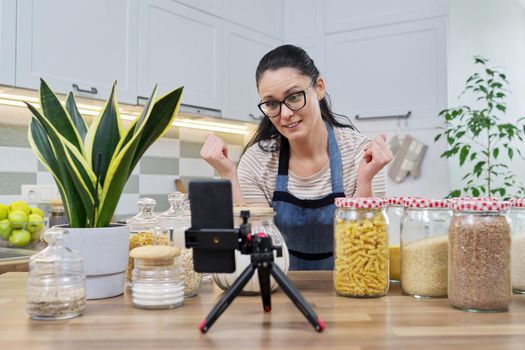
211	208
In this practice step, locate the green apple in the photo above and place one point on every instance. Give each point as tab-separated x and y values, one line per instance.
35	210
3	211
34	223
17	218
5	229
20	238
20	205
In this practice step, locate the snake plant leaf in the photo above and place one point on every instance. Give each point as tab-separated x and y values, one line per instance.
58	116
78	121
44	151
71	159
155	121
104	135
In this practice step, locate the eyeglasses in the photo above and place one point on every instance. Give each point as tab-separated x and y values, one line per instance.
294	101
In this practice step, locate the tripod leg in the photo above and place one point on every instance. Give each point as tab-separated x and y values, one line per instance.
228	297
296	297
264	283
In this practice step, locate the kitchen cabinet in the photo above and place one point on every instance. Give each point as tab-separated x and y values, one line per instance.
213	7
243	48
179	45
263	16
78	45
7	41
389	70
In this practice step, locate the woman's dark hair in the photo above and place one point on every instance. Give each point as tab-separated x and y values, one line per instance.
290	56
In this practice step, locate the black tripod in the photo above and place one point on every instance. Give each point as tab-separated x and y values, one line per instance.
262	260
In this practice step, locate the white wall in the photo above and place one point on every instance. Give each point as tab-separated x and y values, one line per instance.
494	29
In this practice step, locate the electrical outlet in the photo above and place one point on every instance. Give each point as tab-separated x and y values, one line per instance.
37	194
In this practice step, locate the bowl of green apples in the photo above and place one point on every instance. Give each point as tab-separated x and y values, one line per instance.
20	225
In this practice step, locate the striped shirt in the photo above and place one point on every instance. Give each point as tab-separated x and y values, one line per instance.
257	172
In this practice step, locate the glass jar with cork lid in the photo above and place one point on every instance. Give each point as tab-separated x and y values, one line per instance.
361	254
157	280
517	222
395	211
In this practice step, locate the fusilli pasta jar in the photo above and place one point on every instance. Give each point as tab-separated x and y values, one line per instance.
361	247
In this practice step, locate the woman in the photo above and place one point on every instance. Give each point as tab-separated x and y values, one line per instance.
300	158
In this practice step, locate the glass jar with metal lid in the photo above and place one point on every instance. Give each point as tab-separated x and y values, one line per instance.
395	211
424	247
479	256
361	247
56	284
157	280
517	222
176	220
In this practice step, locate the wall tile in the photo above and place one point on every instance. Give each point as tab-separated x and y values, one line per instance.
13	136
11	183
159	166
195	167
132	186
168	148
127	205
160	184
18	159
190	149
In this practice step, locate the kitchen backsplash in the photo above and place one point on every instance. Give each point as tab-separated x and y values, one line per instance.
176	155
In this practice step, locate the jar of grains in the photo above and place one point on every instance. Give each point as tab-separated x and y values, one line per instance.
56	287
361	247
176	220
479	256
424	247
517	256
157	280
395	211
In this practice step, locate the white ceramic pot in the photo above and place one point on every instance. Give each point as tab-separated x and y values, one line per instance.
105	251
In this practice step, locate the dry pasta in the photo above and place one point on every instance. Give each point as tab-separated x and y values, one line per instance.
140	239
361	257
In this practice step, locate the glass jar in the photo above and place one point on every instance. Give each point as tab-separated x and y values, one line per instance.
395	211
57	215
261	220
424	247
361	247
157	280
176	220
479	256
145	229
517	256
56	284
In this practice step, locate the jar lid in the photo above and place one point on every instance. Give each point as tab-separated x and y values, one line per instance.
517	202
360	202
481	205
151	252
396	200
476	199
428	203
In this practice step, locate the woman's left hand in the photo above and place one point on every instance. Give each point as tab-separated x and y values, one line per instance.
376	155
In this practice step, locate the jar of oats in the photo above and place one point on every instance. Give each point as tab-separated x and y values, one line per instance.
517	256
479	256
361	255
424	247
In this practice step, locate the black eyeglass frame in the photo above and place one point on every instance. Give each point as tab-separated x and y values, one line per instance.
303	92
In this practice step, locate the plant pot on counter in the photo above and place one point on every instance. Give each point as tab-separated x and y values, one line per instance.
105	252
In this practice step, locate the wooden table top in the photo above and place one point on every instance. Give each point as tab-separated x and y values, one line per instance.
391	322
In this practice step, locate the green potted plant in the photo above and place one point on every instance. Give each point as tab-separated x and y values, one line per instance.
483	143
90	165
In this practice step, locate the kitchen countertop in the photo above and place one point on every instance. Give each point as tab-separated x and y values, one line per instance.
394	322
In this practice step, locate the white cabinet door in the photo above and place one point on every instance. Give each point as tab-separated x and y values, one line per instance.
264	16
389	70
7	41
80	46
242	51
210	6
179	46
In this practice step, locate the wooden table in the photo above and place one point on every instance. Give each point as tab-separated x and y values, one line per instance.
391	322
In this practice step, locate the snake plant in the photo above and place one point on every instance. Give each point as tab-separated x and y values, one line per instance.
91	165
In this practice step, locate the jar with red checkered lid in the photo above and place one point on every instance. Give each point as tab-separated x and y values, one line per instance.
517	256
424	245
395	211
361	247
479	256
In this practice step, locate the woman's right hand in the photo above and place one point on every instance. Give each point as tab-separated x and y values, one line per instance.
215	152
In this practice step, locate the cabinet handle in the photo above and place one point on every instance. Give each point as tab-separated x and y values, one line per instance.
92	91
400	116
